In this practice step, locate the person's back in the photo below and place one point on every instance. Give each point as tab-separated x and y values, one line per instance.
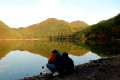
69	65
55	61
56	58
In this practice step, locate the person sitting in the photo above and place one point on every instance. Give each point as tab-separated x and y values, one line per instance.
69	65
55	62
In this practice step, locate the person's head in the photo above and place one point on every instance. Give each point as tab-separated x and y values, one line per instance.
54	51
65	54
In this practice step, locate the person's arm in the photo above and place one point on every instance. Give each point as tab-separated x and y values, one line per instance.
52	58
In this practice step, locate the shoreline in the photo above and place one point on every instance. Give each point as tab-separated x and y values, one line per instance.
18	39
101	69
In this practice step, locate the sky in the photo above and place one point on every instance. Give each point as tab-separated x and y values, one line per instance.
22	13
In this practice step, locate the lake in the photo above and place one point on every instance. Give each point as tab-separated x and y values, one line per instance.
19	59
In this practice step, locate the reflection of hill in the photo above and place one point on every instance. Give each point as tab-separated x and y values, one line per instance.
101	47
7	46
43	48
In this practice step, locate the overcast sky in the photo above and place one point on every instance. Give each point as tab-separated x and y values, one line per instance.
22	13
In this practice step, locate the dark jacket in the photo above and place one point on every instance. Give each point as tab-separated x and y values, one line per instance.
69	65
56	59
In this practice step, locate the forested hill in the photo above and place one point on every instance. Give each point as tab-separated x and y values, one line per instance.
78	25
51	28
7	33
106	29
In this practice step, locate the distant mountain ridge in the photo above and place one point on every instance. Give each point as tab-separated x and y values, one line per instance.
6	32
78	25
55	28
51	27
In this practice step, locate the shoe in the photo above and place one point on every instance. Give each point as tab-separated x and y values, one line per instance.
55	74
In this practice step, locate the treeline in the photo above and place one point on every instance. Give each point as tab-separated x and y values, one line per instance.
104	30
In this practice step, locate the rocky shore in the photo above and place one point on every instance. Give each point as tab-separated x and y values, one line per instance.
102	69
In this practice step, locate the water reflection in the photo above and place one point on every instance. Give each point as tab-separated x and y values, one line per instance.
26	58
85	58
18	64
43	48
103	48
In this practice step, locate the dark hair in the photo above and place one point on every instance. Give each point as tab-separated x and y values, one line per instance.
65	54
54	51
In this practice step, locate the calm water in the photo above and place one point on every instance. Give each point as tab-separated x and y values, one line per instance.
26	58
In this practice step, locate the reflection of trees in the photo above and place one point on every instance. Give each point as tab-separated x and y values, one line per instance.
101	47
43	48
